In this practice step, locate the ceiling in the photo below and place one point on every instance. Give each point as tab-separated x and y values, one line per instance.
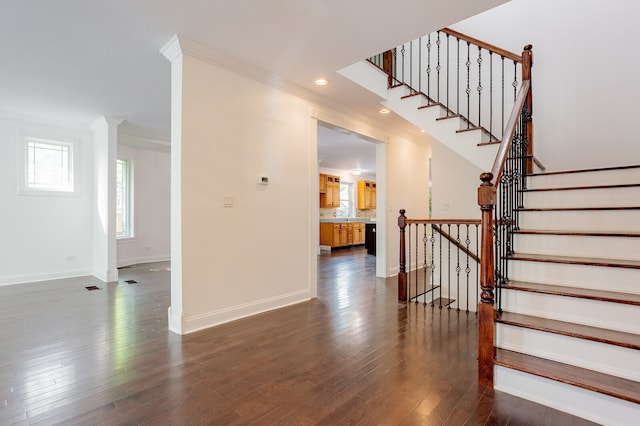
341	149
76	60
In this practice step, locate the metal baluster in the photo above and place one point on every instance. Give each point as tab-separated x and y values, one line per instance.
402	53
515	80
467	270
457	79
429	68
433	265
458	269
440	283
502	126
409	264
424	265
491	137
468	89
448	104
411	65
395	64
420	64
479	86
477	268
417	261
438	65
448	267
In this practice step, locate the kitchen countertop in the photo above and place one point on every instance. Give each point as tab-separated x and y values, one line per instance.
351	219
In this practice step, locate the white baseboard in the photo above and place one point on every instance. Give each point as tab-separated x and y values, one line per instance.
221	316
175	321
28	278
143	259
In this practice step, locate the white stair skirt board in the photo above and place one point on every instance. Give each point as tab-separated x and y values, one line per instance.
580	220
596	178
609	359
572	245
622	280
593	197
614	316
580	402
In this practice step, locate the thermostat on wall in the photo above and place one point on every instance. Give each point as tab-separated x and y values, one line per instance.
264	180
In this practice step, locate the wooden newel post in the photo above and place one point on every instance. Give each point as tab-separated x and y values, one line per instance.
527	64
486	311
402	275
387	66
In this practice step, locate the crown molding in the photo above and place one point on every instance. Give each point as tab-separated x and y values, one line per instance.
141	142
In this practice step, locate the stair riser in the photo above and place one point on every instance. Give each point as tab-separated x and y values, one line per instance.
610	359
615	316
605	197
624	280
613	220
596	407
570	245
564	180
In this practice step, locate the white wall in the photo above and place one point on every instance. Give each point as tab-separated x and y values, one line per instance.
44	237
152	206
585	94
256	255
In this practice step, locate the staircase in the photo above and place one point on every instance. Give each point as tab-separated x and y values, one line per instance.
565	331
568	335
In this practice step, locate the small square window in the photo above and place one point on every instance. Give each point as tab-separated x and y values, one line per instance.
49	165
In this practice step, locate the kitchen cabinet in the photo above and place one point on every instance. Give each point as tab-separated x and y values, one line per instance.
330	198
366	195
342	234
358	233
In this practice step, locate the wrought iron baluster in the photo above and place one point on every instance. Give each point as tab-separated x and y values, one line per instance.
448	104
424	265
479	86
417	261
491	137
420	64
502	125
438	65
515	80
402	53
411	65
429	68
433	265
458	269
468	89
440	282
467	269
408	263
457	78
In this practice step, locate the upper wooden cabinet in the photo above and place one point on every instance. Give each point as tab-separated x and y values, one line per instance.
366	194
329	191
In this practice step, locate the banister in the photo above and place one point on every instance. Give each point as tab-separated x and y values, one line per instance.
445	221
510	130
484	45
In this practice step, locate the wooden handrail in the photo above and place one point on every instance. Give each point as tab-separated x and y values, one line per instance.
482	44
445	221
509	131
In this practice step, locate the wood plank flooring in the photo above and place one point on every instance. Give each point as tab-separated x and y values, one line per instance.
352	356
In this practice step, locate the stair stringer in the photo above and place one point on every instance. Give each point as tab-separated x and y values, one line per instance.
464	143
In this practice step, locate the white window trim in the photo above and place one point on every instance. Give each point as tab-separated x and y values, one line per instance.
22	187
131	205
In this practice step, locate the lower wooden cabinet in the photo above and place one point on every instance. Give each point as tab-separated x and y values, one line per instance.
342	234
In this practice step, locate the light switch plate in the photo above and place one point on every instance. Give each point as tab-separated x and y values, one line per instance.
228	201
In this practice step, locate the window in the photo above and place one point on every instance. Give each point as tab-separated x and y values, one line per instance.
346	201
124	204
49	166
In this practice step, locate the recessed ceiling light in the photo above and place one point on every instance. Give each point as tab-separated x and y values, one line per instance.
356	172
321	82
385	111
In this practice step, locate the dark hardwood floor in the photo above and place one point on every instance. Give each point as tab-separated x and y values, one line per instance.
352	356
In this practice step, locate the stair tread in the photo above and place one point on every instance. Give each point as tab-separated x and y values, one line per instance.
600	169
571	188
578	233
583	293
603	335
592	261
607	384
